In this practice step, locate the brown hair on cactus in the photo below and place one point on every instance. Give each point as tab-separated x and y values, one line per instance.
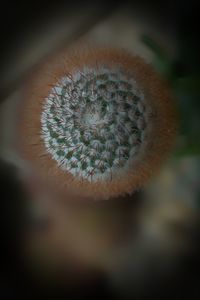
96	122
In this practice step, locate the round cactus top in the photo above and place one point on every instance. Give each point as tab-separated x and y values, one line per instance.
93	122
96	123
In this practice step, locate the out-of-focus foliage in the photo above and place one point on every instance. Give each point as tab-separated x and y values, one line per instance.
182	72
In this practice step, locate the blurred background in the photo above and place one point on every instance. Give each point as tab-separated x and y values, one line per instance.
144	245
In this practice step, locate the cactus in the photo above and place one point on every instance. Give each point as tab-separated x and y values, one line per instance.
97	123
93	122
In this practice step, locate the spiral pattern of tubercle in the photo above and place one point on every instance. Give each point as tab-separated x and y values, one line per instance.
94	123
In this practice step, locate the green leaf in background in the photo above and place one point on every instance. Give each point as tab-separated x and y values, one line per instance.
162	62
186	87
